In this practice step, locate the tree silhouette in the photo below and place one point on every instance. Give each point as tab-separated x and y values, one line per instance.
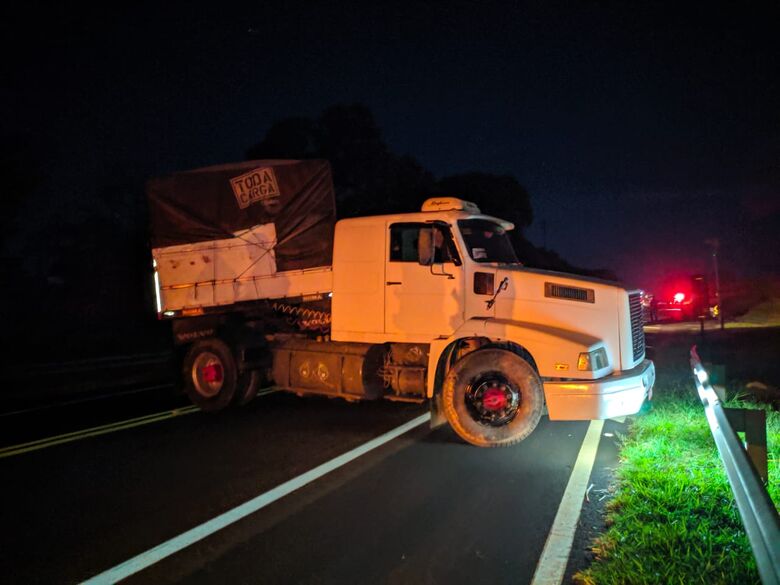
293	138
503	196
499	195
368	178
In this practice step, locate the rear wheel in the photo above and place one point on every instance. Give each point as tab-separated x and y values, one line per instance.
210	374
248	385
493	398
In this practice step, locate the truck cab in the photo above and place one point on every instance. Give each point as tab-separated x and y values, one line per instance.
447	279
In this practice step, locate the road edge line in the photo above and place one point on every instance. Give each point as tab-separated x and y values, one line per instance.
185	539
555	555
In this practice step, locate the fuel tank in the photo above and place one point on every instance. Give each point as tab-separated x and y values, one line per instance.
346	370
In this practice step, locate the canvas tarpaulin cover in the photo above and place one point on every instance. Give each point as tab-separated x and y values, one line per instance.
216	203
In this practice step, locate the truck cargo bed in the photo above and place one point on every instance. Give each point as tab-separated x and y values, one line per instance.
242	232
231	270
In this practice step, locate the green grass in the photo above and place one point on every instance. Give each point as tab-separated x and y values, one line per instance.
673	518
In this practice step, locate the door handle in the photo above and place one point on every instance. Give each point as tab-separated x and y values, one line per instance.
392	282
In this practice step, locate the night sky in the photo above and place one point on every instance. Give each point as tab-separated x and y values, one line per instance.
638	131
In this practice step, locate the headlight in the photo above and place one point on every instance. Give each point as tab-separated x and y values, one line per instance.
590	361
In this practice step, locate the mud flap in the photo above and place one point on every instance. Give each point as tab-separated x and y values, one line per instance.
437	411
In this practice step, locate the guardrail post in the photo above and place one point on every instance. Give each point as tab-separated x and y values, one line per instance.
753	423
716	373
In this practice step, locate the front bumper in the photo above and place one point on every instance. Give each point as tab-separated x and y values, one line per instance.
616	395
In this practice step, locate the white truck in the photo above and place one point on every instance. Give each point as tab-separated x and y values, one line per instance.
265	287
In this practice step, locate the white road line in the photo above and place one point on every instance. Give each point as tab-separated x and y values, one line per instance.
113	427
555	556
177	543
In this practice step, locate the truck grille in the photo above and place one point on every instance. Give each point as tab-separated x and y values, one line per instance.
637	321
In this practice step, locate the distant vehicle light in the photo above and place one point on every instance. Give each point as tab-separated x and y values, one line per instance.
679	297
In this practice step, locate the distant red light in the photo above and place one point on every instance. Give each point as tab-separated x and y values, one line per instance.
679	297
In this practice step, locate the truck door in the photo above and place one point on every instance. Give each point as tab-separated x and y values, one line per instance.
424	295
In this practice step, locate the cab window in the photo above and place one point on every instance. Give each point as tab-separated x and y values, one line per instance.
413	242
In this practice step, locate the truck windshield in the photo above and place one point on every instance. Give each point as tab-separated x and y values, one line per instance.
487	241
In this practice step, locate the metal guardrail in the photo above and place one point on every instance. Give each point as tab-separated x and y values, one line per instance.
758	513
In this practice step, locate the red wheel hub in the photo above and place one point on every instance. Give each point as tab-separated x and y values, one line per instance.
494	399
212	373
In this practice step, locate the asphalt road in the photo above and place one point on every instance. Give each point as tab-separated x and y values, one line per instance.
424	508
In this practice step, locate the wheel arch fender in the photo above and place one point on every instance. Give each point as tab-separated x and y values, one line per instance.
445	357
545	347
518	349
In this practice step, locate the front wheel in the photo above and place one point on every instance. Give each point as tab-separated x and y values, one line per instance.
493	398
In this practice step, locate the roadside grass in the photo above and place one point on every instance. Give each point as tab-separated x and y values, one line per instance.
765	314
673	518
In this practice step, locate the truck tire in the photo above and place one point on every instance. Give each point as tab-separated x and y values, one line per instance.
493	398
210	374
248	385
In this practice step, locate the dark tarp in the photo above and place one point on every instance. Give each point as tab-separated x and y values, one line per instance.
203	204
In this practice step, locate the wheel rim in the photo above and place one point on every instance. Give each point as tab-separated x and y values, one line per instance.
492	400
208	374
